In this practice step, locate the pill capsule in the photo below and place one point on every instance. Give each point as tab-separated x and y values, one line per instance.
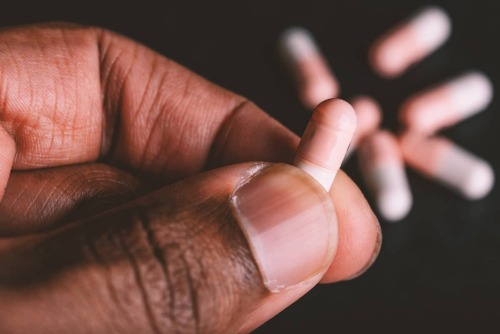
314	78
410	42
369	115
325	140
442	160
382	166
447	103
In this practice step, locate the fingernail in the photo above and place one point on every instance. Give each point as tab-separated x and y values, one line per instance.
290	225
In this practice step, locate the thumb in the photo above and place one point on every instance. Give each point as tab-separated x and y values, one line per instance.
220	252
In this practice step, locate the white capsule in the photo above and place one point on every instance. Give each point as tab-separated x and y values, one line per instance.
410	42
449	164
448	103
313	76
382	167
325	140
369	115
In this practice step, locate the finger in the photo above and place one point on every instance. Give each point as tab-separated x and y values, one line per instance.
360	237
96	94
320	153
7	153
250	134
39	200
221	252
195	123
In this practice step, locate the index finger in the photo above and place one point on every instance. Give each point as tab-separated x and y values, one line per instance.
73	94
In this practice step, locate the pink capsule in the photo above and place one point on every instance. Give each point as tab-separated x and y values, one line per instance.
410	42
325	140
314	78
382	167
449	164
447	103
369	115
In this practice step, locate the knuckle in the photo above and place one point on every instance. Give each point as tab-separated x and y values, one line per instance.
148	275
184	274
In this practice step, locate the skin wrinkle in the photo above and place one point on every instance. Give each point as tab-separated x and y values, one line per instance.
158	115
183	308
168	117
226	279
104	311
72	182
123	105
111	121
113	244
197	140
140	110
48	198
101	192
201	245
204	134
82	192
26	211
69	64
108	248
53	135
31	144
193	303
192	293
223	132
140	285
4	87
178	143
110	288
161	260
35	198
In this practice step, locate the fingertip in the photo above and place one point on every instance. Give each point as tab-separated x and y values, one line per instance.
7	154
290	225
358	231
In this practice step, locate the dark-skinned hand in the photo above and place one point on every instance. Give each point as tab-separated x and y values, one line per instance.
141	198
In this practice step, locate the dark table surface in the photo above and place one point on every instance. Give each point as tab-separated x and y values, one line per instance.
439	267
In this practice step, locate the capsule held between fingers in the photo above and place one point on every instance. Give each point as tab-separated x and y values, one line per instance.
410	42
447	104
326	140
314	78
442	160
369	116
382	166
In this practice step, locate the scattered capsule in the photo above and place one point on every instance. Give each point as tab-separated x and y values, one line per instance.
382	166
447	103
314	78
325	140
369	115
410	42
449	164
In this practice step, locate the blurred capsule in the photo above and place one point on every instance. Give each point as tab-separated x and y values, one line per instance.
410	42
447	103
369	115
325	140
382	167
449	164
310	70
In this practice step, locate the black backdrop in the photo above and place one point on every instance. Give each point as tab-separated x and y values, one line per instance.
440	266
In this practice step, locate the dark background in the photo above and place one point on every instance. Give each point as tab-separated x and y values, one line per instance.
439	267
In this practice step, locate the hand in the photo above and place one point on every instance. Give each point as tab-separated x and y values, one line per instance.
90	247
